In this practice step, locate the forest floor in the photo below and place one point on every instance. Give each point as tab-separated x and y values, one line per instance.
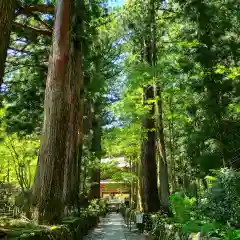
112	227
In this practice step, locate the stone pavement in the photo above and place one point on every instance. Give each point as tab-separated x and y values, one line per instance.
112	227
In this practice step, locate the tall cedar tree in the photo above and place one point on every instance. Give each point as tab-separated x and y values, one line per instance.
49	178
75	84
161	149
149	166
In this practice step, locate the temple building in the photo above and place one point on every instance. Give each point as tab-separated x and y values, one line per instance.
110	189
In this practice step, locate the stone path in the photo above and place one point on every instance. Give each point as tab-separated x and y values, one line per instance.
112	227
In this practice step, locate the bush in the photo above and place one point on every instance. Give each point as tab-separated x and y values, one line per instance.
99	206
165	228
182	206
71	228
221	202
215	214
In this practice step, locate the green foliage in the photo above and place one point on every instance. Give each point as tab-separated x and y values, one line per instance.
221	201
22	229
23	100
18	159
214	82
217	210
204	227
210	215
6	192
111	170
98	207
197	71
182	206
233	235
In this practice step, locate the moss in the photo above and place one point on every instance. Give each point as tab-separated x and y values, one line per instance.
71	228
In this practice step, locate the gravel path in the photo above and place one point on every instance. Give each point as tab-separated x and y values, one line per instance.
112	227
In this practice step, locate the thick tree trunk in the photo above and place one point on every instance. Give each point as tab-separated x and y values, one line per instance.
149	167
7	8
134	184
139	188
97	150
96	147
48	185
141	174
86	127
151	201
71	169
131	184
74	136
164	182
172	147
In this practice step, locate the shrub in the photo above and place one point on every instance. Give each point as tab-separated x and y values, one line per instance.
221	201
99	206
71	228
182	206
165	228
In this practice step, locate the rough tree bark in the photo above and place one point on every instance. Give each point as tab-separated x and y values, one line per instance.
7	8
86	127
148	159
48	183
172	172
161	149
140	192
163	174
75	84
71	169
149	167
134	184
97	150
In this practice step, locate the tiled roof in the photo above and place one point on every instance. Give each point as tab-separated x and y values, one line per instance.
108	181
120	161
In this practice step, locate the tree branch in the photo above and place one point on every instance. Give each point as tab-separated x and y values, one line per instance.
42	8
20	50
38	31
41	21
